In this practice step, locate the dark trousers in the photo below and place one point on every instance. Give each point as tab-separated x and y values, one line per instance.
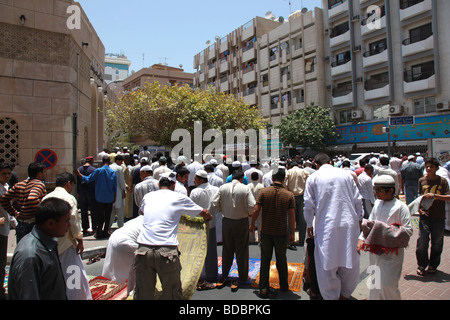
235	235
311	273
87	203
3	258
267	245
434	229
103	217
210	271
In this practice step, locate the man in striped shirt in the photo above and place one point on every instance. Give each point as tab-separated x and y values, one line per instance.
28	194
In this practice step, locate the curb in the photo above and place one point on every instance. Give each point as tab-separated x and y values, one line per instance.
87	253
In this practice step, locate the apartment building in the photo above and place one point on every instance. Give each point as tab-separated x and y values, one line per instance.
271	63
164	74
386	59
51	79
117	67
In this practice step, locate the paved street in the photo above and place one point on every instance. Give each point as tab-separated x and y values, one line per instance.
412	286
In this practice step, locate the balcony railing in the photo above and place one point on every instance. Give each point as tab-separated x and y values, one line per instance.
411	76
404	4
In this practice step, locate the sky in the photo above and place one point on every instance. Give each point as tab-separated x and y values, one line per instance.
172	32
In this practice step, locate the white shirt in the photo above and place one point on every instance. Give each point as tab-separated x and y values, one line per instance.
214	180
234	200
193	168
160	170
333	199
75	231
162	212
179	187
203	195
4	230
120	202
365	186
248	174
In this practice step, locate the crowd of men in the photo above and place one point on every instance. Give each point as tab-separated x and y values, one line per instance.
325	201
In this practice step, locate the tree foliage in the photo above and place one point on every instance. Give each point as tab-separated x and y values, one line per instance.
310	127
156	111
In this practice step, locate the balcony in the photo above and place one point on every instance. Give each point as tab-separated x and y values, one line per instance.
419	78
420	85
376	90
346	98
224	84
250	96
341	67
372	24
338	8
344	37
248	30
223	66
249	53
249	75
373	58
412	46
412	8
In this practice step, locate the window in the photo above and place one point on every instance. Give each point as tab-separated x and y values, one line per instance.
9	141
285	71
274	102
376	48
425	105
419	34
381	111
342	58
340	29
377	81
287	97
309	65
408	3
420	72
345	116
343	89
265	80
273	53
298	43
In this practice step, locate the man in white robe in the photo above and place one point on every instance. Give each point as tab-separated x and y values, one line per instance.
333	199
119	204
122	244
70	247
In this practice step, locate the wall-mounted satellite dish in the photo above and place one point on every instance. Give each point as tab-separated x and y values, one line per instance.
281	19
217	38
208	43
304	10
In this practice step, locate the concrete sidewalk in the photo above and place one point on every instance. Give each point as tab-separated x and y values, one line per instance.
413	286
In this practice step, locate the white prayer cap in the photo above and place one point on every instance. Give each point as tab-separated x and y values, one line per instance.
373	161
384	181
236	164
411	157
146	168
144	159
202	174
181	159
213	161
169	175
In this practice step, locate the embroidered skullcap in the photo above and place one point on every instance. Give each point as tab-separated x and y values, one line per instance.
236	164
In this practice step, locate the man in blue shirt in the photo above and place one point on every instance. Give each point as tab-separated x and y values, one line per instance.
105	195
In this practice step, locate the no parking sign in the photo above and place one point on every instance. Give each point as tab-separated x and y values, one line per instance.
47	157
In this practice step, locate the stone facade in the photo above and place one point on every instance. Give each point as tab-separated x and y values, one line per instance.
49	76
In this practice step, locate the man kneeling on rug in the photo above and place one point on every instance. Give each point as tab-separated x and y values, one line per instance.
158	244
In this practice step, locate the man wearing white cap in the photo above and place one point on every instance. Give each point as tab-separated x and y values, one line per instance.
389	261
147	185
236	165
236	202
411	172
158	243
203	195
333	213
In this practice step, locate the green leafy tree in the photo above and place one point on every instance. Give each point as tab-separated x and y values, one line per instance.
156	111
310	127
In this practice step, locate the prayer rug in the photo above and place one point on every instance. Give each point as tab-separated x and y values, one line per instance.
5	283
415	222
253	269
193	243
105	289
295	276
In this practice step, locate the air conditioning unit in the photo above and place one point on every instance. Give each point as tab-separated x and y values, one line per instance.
357	114
359	79
357	49
395	110
443	106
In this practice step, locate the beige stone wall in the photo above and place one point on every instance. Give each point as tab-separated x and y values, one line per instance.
45	73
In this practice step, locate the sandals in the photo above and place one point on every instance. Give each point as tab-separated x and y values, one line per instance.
267	293
234	285
421	271
204	285
94	259
221	283
431	270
